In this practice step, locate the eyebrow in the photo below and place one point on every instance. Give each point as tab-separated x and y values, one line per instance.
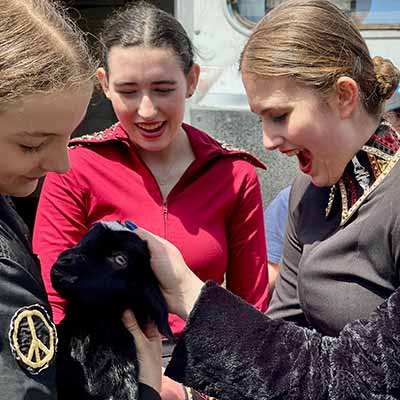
160	82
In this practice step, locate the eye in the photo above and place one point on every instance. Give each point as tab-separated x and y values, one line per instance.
127	93
31	149
164	91
119	261
279	118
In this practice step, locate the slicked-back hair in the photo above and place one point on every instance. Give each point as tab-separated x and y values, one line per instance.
141	24
316	43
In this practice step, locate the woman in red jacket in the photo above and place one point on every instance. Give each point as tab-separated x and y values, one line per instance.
168	177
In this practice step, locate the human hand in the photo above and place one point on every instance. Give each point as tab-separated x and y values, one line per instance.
148	349
180	286
171	390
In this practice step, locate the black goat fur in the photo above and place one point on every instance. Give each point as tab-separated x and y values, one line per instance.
107	272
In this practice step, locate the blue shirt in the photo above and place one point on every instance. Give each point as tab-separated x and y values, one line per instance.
275	216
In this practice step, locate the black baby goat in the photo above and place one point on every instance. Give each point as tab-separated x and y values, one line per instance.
107	272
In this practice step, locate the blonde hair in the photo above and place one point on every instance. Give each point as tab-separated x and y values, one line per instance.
315	43
41	50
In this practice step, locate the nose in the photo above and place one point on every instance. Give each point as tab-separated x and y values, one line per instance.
271	140
147	109
56	160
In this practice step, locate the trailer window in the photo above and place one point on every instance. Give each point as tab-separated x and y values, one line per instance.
369	14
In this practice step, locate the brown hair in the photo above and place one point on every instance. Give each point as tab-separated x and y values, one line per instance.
143	24
41	50
314	42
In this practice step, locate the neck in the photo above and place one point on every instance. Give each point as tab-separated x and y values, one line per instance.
366	125
176	149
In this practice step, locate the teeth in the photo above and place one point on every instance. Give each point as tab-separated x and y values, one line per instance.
150	126
293	152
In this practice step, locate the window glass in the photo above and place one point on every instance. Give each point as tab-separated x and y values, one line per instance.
369	14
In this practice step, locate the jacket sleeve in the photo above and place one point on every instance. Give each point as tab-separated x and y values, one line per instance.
247	273
231	351
60	223
285	302
25	375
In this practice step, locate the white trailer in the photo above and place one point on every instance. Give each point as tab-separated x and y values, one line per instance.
219	29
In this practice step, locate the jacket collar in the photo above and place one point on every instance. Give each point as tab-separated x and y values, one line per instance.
113	133
205	148
366	170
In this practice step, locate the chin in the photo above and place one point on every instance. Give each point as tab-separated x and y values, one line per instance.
21	191
154	146
323	181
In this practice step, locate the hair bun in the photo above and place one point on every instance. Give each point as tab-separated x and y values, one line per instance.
387	77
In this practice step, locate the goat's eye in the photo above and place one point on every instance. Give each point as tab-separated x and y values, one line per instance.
120	262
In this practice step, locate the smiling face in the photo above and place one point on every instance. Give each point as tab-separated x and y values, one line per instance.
298	121
34	135
148	89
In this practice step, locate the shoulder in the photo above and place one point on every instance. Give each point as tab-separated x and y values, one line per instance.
86	152
209	147
111	135
301	184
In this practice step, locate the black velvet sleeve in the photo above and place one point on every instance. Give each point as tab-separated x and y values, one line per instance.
147	393
231	351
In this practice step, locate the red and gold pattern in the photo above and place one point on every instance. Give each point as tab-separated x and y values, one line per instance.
377	158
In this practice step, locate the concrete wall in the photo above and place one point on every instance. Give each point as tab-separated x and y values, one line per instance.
242	130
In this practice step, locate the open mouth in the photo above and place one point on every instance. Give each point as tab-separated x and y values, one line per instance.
151	128
305	160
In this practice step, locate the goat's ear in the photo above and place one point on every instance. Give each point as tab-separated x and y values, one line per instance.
159	312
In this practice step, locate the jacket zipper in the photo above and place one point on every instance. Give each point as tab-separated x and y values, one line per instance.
165	217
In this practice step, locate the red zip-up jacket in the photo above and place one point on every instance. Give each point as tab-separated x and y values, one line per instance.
214	214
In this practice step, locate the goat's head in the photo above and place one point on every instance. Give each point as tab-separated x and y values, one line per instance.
109	271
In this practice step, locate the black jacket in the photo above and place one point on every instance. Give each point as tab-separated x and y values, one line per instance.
232	351
27	335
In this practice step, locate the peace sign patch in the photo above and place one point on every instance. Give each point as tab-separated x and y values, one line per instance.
33	338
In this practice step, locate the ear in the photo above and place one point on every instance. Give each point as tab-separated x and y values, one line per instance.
192	79
347	96
102	77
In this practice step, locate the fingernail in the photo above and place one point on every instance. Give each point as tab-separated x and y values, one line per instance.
130	225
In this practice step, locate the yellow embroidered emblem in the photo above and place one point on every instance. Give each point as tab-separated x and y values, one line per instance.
33	338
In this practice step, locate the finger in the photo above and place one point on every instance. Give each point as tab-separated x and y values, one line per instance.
130	225
142	233
130	322
151	331
146	235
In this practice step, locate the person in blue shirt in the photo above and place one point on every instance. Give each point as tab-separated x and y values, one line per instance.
275	216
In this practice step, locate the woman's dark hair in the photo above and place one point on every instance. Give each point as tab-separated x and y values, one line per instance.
144	25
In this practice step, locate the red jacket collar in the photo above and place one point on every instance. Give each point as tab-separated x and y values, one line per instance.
204	147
